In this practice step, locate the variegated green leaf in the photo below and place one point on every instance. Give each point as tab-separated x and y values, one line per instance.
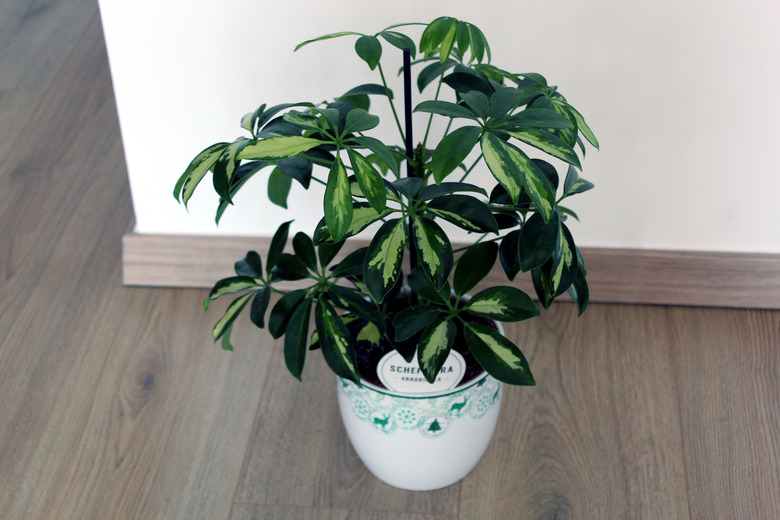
384	258
497	355
464	211
434	347
278	147
548	143
225	167
434	251
564	266
370	333
363	215
196	170
561	106
370	181
380	149
335	341
231	285
503	303
499	163
578	290
231	313
575	184
338	201
512	169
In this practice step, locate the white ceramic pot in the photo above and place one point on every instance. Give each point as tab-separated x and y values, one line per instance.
420	440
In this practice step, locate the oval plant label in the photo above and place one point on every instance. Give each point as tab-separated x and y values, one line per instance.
399	376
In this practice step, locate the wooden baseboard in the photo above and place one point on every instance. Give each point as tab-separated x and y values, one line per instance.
614	275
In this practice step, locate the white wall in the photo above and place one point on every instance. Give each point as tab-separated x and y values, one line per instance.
681	93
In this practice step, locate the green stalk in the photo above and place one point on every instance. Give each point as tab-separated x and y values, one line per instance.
392	105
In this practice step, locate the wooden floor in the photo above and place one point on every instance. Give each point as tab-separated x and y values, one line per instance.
115	405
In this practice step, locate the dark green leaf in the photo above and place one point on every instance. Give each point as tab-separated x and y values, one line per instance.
497	355
304	249
259	306
578	290
413	319
278	241
503	303
289	267
384	258
435	345
423	286
453	150
477	102
251	265
282	310
335	341
338	202
355	303
279	186
266	116
538	118
537	241
479	44
431	73
328	251
504	100
352	264
434	251
465	212
446	188
297	168
508	254
474	265
463	82
297	337
369	89
369	49
445	108
433	35
400	41
358	120
408	186
380	149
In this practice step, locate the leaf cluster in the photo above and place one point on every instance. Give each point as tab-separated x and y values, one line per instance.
505	119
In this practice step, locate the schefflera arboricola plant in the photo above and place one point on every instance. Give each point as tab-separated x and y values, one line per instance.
493	117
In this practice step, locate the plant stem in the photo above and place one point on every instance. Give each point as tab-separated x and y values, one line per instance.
392	105
409	147
471	168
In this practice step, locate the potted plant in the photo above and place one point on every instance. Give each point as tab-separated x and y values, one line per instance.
415	354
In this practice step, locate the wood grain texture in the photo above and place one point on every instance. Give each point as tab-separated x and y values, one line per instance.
300	455
114	403
614	275
728	364
255	512
599	437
